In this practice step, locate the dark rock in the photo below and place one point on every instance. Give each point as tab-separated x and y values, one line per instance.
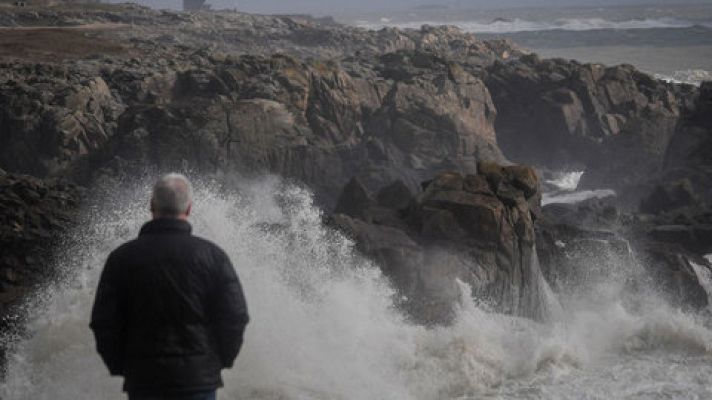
354	200
672	233
672	269
670	196
396	196
613	122
688	155
34	216
455	233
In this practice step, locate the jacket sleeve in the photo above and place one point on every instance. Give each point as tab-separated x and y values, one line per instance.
108	318
228	311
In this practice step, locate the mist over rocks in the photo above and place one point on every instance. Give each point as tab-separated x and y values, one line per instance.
34	215
582	245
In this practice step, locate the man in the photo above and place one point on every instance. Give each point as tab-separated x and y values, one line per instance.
169	312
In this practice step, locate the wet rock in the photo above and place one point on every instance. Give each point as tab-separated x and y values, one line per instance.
457	228
678	280
396	196
34	215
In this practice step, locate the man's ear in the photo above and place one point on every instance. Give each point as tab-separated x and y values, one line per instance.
150	206
189	209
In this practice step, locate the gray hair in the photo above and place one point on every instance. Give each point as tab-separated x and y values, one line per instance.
172	195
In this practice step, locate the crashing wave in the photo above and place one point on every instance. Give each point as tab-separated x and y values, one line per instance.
324	325
576	197
689	76
566	181
501	25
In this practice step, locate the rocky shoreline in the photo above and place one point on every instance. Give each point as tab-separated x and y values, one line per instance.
332	106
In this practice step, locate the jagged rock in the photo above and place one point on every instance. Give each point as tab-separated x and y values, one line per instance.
34	215
48	123
614	122
311	121
458	228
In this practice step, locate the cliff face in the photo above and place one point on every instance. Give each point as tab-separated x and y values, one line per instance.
404	116
312	121
614	122
216	93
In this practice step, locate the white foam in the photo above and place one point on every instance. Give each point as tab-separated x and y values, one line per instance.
324	326
522	25
689	76
567	181
704	277
576	197
709	258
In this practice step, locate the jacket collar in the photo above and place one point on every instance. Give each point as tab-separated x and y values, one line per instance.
166	225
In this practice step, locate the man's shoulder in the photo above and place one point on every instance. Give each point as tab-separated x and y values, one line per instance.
124	249
135	247
208	245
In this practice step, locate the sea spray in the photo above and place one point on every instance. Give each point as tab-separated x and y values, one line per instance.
566	181
324	325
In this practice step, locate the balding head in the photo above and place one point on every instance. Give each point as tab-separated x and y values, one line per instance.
172	197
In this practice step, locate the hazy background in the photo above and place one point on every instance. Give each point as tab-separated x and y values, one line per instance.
670	39
340	7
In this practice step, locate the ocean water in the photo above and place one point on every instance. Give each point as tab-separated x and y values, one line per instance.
506	25
671	42
324	325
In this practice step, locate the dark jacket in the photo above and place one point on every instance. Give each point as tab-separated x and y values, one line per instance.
169	312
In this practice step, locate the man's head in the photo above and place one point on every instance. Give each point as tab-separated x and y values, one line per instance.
172	197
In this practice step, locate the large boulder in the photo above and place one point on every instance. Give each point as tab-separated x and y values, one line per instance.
477	229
